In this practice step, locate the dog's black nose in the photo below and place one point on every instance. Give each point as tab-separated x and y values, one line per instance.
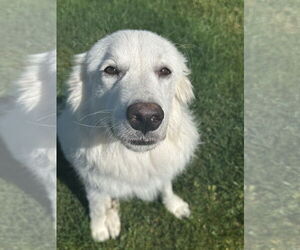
145	116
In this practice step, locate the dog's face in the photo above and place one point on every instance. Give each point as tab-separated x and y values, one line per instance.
130	80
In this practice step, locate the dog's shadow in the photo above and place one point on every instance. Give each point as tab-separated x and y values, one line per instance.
21	177
67	175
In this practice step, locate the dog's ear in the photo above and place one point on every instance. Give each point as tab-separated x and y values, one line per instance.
75	82
30	84
184	89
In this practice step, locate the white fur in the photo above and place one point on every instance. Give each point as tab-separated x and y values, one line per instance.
28	127
94	132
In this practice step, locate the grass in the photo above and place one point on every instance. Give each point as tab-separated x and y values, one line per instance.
210	34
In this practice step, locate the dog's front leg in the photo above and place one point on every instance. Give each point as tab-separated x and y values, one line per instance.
174	203
105	221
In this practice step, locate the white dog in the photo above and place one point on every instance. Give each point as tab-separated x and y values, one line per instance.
127	129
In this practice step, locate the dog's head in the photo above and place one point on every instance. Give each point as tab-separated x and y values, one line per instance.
126	85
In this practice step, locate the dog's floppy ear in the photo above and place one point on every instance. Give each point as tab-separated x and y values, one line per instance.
30	84
184	89
75	82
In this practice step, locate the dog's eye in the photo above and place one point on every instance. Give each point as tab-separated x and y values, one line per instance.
164	72
111	70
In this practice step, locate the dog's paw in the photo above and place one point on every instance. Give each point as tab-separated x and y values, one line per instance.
99	231
113	223
177	207
108	226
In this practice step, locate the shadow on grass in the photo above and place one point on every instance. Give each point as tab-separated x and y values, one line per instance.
67	175
14	172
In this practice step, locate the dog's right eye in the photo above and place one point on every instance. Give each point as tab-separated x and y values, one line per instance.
111	70
163	72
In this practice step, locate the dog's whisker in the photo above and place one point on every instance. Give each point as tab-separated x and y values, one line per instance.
46	116
94	124
88	125
42	124
102	120
94	113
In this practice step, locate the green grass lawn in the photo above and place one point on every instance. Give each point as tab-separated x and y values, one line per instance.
210	34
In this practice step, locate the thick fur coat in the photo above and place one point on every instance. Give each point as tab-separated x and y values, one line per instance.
97	139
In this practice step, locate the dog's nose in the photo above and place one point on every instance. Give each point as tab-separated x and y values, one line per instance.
145	117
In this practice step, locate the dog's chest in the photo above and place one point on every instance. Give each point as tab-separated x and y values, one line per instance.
118	162
124	173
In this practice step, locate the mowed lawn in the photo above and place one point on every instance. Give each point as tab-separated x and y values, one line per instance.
210	34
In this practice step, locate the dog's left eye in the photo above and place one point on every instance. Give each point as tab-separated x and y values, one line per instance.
111	70
164	72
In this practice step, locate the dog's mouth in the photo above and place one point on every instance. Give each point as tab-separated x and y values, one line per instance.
142	142
140	145
137	144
